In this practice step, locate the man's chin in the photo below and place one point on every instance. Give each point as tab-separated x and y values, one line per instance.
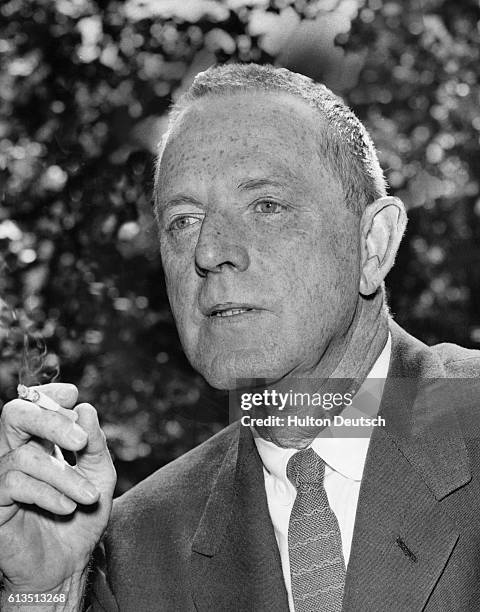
228	382
237	371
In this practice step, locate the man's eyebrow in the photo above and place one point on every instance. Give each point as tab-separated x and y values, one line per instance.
179	198
257	183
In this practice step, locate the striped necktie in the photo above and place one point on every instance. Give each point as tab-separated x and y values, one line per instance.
317	566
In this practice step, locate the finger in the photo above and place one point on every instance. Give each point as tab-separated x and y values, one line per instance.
54	396
41	402
16	487
64	394
47	447
94	459
20	420
32	461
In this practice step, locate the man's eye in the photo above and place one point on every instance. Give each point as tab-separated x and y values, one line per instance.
180	223
268	207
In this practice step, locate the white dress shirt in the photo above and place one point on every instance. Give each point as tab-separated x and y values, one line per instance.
344	458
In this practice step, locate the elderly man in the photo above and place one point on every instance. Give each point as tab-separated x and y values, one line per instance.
276	235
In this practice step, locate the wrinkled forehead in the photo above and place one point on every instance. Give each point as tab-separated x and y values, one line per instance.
250	112
242	128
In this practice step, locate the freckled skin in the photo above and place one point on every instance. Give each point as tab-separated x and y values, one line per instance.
298	266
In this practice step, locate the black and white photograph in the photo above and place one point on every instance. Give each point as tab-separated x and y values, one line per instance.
240	306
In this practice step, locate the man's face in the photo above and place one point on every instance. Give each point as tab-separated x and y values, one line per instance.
261	255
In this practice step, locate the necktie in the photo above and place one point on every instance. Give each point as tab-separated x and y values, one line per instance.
317	566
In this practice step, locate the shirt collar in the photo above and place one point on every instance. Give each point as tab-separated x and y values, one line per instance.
344	455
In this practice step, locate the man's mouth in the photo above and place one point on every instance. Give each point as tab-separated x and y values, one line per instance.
229	310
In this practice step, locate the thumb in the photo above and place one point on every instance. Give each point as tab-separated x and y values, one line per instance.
94	461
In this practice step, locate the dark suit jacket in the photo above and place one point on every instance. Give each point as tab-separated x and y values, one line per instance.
197	535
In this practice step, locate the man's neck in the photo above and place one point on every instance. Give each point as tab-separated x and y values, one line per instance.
342	369
355	353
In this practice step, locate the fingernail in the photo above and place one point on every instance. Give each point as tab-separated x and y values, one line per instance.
78	435
89	490
68	503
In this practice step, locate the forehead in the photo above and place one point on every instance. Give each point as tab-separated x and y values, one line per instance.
243	131
275	112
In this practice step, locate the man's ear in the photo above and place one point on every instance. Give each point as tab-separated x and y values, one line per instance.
382	226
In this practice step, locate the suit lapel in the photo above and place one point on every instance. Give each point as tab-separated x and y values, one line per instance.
235	562
403	538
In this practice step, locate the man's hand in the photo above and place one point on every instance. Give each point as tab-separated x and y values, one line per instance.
51	514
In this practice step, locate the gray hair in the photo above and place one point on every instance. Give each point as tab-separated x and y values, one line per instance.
344	144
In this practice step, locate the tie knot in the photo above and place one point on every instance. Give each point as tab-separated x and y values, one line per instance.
305	467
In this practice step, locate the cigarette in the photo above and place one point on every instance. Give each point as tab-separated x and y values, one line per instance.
37	397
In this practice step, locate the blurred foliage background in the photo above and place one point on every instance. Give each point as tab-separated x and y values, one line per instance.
84	89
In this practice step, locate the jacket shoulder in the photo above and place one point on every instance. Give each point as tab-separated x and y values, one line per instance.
413	358
458	361
186	480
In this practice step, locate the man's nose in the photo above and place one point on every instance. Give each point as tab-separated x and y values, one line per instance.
220	247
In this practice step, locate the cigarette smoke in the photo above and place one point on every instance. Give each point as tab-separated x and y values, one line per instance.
19	343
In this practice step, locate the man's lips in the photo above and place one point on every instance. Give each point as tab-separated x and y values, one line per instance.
229	309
